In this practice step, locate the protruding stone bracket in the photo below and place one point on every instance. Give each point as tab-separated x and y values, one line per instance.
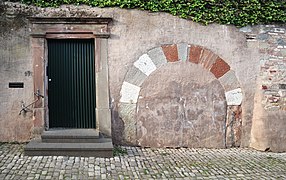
154	58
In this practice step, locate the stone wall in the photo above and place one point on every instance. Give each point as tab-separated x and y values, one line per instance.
255	59
269	111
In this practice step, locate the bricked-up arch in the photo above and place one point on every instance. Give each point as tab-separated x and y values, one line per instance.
157	57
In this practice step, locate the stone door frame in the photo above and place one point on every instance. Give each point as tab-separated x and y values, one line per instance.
43	28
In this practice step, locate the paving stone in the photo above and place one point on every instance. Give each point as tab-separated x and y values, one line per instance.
176	164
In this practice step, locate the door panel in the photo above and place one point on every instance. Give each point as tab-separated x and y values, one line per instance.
71	85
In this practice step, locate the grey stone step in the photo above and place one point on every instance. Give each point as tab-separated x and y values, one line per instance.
72	136
39	148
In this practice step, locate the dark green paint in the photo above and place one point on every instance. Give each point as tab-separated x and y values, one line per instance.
71	90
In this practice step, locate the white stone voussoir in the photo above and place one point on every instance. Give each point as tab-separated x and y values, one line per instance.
145	64
234	97
129	93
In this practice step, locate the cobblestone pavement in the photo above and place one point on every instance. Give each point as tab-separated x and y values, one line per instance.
145	163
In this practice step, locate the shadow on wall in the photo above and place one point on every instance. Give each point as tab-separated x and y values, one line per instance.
117	127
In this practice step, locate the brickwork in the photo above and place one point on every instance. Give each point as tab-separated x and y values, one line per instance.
269	112
272	46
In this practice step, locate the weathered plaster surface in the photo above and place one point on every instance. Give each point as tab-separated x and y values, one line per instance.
185	107
15	66
135	33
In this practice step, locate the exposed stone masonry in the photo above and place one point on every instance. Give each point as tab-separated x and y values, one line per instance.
272	46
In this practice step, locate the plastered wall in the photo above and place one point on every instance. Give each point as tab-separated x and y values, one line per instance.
254	56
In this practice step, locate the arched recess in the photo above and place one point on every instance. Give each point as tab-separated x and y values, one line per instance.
203	58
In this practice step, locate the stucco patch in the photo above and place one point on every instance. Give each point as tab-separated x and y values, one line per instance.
145	64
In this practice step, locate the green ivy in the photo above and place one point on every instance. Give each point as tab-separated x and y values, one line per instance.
236	12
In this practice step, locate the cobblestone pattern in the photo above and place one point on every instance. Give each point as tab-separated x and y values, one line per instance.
145	163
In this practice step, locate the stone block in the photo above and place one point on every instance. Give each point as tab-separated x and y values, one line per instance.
103	115
129	93
263	36
135	76
182	51
158	57
145	64
234	97
207	59
171	52
127	113
229	81
219	68
195	54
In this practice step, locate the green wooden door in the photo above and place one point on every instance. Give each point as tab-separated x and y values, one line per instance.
71	83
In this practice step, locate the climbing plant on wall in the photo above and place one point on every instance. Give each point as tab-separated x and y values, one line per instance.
236	12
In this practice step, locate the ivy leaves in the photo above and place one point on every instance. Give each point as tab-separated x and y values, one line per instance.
239	12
